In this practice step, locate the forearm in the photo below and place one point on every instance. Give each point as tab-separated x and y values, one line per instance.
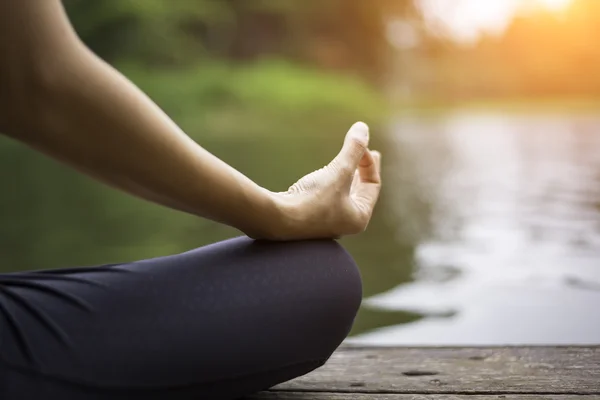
86	114
98	121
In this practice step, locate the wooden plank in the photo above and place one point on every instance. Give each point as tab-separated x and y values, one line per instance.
510	370
378	396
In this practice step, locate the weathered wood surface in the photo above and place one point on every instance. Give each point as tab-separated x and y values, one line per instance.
450	373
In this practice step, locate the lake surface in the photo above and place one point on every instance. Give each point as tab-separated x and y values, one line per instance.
487	230
511	252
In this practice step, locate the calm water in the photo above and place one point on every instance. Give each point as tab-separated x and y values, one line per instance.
487	231
511	253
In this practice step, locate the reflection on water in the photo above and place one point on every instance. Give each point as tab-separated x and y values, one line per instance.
512	249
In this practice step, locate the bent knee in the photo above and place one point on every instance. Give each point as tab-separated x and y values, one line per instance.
340	277
308	292
338	295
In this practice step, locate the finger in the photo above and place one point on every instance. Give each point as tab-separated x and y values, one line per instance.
355	146
368	167
377	157
365	197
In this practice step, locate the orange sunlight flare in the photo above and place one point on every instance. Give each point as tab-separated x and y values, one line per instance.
554	5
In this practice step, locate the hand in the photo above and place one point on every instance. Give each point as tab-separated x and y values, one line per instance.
337	199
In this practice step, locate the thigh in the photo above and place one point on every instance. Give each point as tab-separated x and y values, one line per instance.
222	313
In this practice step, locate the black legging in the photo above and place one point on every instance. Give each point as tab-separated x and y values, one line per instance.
217	322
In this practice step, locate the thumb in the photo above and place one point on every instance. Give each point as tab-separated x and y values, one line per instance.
355	145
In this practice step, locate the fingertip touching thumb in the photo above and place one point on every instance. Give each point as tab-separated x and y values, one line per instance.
356	143
359	132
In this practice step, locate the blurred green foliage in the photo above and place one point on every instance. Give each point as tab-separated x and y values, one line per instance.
334	34
262	98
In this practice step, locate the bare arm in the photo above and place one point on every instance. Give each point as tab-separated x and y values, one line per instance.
58	97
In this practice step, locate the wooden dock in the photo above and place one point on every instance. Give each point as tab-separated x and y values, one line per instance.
389	373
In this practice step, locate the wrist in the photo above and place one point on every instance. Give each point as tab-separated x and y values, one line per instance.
280	219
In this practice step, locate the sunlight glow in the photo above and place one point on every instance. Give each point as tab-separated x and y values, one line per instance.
465	20
554	5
